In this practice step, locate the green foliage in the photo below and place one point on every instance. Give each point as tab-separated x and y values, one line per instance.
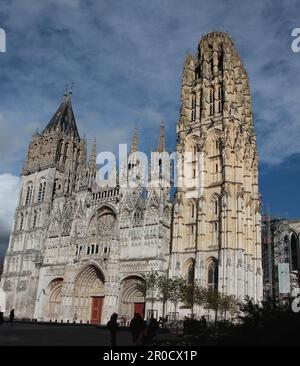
150	283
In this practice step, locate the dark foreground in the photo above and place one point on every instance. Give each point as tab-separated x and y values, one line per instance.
21	334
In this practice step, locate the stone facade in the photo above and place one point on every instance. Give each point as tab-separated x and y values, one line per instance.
216	233
280	239
75	245
77	252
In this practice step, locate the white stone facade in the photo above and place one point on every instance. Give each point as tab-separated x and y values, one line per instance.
78	252
216	236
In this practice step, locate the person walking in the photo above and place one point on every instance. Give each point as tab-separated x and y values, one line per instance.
112	325
203	322
136	326
12	316
150	332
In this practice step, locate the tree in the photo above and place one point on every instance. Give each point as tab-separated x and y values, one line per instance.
213	301
177	286
164	283
171	289
150	286
228	303
200	295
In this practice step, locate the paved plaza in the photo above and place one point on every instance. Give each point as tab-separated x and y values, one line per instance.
21	334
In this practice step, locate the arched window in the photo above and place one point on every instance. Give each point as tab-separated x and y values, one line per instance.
59	151
212	275
216	207
195	150
193	107
56	186
160	168
192	211
65	153
191	273
211	102
138	216
42	190
211	65
78	157
220	60
28	194
217	146
220	98
21	221
35	215
294	253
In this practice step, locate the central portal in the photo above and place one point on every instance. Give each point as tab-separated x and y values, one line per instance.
89	295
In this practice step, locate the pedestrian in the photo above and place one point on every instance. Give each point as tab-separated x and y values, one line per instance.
12	316
1	318
151	331
112	325
203	322
136	326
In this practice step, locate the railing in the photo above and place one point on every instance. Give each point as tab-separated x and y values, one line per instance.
105	195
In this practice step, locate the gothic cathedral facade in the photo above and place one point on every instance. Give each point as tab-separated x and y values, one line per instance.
78	252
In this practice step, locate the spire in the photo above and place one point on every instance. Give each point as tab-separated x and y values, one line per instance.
162	139
93	158
134	145
63	119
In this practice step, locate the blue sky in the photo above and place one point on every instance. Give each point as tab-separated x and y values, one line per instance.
126	58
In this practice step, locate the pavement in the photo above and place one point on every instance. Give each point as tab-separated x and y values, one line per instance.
28	334
22	334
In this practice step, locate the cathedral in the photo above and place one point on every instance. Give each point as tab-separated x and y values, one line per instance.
79	251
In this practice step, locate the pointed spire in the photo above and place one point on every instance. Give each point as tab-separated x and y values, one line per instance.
93	158
162	139
63	119
134	145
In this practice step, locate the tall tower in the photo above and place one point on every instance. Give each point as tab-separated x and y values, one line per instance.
216	223
52	169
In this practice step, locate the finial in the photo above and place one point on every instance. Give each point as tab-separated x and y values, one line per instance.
94	152
68	91
162	139
134	145
71	88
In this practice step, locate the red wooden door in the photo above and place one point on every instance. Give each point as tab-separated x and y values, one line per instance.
139	307
97	303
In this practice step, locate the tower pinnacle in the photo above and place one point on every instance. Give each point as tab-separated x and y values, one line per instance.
134	145
162	139
93	157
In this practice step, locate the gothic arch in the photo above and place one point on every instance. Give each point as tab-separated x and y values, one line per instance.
132	297
212	274
89	284
54	294
214	142
98	209
189	270
87	266
215	206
